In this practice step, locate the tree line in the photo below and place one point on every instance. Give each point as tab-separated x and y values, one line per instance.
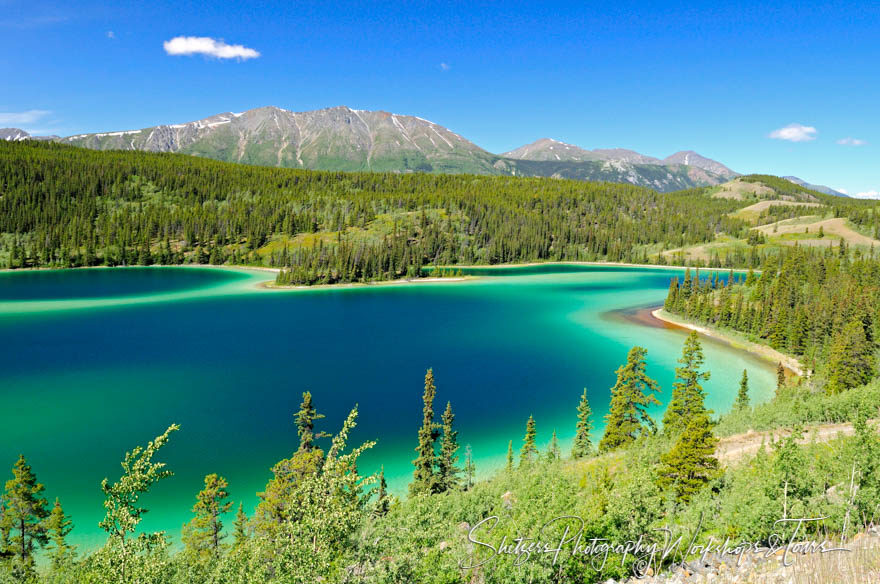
822	306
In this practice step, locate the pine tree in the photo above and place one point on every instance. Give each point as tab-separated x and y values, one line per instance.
582	445
780	376
553	452
305	423
687	393
203	535
470	469
631	395
691	462
424	478
529	449
447	471
23	517
510	456
742	397
59	526
851	360
240	527
383	499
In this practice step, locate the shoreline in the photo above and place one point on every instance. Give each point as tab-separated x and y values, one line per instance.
763	351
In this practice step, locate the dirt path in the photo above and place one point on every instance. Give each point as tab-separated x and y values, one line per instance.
835	228
739	446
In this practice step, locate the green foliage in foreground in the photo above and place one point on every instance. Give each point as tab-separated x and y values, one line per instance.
320	520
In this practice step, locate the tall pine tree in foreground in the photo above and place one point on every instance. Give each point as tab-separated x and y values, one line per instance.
742	397
529	449
582	445
424	479
509	455
22	518
58	527
631	395
447	471
203	535
687	393
852	360
305	423
470	469
691	462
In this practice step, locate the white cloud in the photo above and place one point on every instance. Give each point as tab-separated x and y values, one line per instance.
111	34
444	66
795	133
844	191
22	118
849	141
868	195
207	46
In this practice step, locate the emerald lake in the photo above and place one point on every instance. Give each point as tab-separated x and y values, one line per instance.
95	362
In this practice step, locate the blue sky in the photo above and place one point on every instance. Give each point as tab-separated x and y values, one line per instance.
656	77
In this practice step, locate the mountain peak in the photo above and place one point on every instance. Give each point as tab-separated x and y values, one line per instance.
13	134
691	158
550	149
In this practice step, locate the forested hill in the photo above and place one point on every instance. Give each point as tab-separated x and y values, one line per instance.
64	206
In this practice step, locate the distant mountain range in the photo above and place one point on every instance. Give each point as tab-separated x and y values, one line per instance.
820	188
341	138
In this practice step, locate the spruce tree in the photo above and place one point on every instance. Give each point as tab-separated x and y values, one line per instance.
424	478
305	423
447	471
780	376
582	445
851	360
529	449
204	533
553	452
687	393
383	499
510	455
631	395
742	397
691	462
23	517
240	527
470	469
58	527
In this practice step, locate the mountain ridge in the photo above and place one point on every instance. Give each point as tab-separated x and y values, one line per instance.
341	138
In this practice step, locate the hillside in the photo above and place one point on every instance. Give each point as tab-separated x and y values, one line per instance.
781	214
346	139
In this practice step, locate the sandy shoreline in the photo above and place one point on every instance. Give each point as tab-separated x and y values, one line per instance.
763	351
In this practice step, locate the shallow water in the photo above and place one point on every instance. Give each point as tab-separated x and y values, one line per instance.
86	375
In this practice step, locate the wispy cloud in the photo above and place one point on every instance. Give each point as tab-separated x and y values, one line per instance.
22	118
844	191
795	133
444	66
209	47
868	195
111	34
849	141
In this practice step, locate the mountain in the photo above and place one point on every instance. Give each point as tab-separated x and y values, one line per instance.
691	158
13	134
346	139
550	149
338	138
820	188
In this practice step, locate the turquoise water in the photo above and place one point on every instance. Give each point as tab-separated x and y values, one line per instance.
84	379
